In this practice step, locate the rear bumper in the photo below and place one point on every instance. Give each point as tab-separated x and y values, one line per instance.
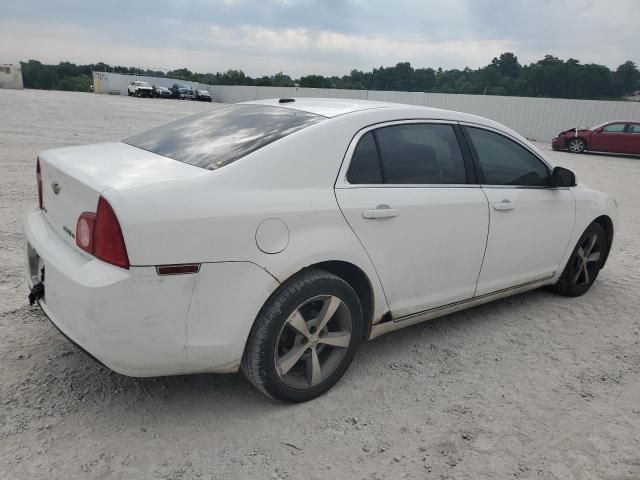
138	323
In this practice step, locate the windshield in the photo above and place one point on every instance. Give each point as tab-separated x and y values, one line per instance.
214	139
142	84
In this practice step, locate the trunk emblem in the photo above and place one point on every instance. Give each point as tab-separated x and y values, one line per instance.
55	186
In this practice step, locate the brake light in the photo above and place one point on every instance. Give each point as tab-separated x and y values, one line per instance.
100	235
39	181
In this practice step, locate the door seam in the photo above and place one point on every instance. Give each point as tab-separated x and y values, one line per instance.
373	265
486	242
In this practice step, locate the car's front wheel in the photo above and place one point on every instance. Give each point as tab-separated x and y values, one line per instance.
577	145
305	337
585	262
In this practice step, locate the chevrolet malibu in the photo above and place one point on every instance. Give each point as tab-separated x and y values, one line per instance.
274	237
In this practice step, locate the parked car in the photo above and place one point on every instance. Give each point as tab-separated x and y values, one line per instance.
139	89
161	92
203	95
246	238
182	91
612	137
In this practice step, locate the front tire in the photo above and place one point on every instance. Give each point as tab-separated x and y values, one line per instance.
305	337
577	145
584	264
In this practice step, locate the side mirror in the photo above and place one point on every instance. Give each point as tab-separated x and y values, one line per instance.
563	177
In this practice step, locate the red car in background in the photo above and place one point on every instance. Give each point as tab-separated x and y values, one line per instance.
612	137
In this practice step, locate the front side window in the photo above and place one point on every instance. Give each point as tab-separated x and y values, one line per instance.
614	128
216	138
505	162
634	128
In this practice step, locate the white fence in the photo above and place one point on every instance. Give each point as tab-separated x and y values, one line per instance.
116	83
535	118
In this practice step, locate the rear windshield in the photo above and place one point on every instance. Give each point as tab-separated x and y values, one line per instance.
214	139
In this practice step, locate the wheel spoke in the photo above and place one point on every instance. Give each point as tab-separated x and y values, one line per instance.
586	274
578	273
314	371
296	320
591	245
289	359
581	252
328	309
594	257
336	339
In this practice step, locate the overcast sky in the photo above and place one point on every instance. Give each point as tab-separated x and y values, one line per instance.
313	36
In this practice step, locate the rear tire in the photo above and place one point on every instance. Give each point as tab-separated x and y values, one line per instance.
577	145
584	264
305	337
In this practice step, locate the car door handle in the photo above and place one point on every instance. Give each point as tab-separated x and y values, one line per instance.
503	206
381	211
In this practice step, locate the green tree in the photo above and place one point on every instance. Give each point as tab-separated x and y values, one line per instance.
629	75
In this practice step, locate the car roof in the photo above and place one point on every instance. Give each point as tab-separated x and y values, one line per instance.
327	107
333	107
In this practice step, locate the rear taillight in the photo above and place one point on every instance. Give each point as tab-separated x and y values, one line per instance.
84	231
39	180
100	235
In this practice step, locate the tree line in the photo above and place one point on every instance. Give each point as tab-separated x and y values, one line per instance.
548	77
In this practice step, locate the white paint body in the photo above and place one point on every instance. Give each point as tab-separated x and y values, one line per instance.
257	221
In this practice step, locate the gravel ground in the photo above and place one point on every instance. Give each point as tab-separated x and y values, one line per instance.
535	386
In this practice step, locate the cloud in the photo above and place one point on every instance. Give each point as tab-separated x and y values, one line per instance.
316	36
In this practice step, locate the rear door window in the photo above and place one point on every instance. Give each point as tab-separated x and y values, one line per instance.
421	153
214	139
418	154
365	163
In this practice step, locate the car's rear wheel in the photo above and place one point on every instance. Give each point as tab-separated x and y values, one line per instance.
585	262
577	145
305	337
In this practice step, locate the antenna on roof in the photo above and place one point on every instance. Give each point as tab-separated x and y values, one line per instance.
286	100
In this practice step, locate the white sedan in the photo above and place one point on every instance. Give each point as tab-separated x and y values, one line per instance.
275	236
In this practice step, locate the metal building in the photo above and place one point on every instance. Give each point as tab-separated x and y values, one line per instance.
10	76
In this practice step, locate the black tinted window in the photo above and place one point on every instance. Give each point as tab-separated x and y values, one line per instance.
421	154
504	162
365	164
214	139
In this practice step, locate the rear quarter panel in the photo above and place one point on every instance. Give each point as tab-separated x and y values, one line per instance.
215	217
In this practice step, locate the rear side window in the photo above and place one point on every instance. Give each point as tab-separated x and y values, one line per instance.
416	154
365	164
214	139
504	162
421	154
634	128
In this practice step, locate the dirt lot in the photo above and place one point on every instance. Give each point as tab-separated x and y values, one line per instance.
536	386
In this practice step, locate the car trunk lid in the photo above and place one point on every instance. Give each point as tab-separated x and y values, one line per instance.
74	177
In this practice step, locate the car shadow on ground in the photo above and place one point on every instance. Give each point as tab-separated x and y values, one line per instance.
63	375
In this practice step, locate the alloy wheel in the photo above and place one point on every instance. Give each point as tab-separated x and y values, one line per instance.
576	145
313	341
586	260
